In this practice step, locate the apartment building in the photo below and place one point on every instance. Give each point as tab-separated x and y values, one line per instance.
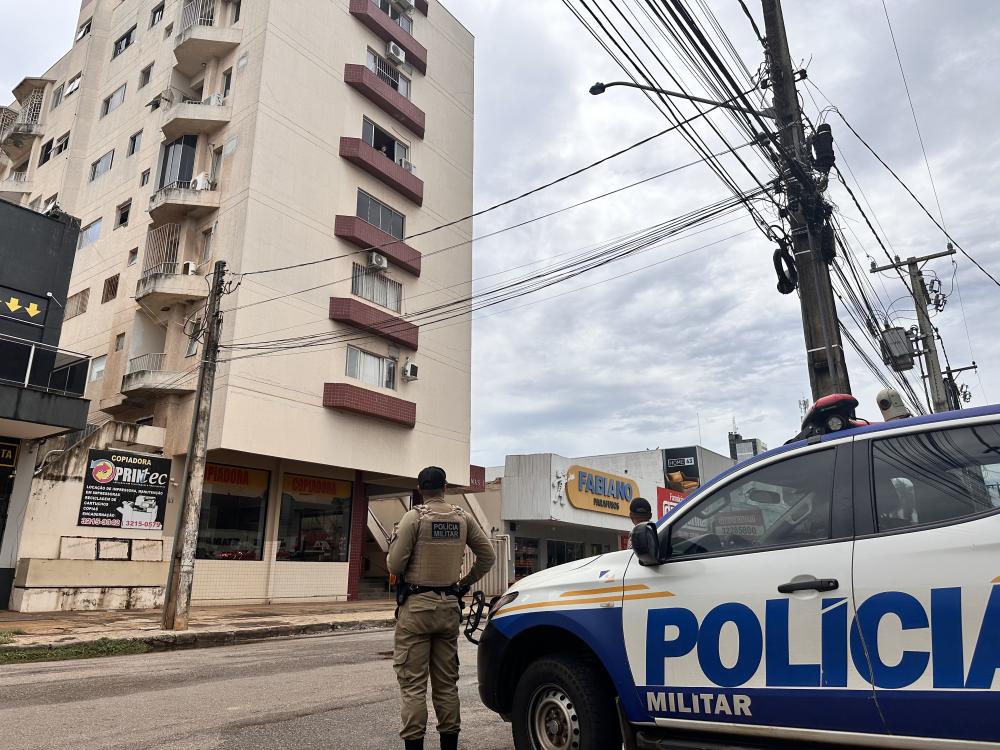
267	133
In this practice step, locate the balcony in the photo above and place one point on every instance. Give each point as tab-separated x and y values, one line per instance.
169	284
200	117
383	168
364	235
351	398
19	129
183	198
377	21
372	320
145	376
15	185
370	85
200	38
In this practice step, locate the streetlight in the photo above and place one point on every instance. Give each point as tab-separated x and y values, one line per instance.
600	88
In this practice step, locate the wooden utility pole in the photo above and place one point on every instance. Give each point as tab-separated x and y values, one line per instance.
181	576
939	395
824	347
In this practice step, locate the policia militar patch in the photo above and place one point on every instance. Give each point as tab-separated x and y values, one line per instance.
445	530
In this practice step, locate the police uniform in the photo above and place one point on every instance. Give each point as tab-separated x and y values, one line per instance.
427	551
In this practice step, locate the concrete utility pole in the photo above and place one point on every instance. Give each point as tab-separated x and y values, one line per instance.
940	400
177	604
824	347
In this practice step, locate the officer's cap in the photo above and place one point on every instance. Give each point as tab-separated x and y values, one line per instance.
432	478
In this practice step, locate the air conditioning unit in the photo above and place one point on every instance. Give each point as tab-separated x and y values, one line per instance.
404	6
395	53
189	268
377	262
410	370
407	165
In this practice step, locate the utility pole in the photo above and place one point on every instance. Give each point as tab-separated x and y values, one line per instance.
806	216
940	400
181	575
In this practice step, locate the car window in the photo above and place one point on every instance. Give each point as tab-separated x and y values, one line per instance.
932	477
788	502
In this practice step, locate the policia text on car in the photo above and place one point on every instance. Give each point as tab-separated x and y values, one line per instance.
426	554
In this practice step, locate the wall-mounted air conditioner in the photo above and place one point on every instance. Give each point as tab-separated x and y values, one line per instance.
189	268
407	165
377	262
404	6
395	53
410	370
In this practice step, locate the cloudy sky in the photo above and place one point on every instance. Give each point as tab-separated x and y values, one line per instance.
661	351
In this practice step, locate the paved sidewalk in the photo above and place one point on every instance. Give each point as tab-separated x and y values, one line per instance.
209	626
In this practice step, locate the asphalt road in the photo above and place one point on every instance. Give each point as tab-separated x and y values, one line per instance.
336	691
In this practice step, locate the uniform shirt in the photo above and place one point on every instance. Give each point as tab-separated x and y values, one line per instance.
402	542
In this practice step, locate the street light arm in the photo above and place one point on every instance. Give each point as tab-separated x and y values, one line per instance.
600	88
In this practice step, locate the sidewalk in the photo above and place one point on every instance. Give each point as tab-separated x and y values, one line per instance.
209	626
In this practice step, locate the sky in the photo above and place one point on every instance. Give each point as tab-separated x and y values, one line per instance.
670	346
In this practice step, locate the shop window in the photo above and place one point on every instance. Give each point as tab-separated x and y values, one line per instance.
315	521
233	510
559	552
525	557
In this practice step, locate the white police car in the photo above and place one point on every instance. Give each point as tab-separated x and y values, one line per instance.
844	590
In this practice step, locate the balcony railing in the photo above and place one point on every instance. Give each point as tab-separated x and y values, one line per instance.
388	74
151	362
197	13
162	248
28	364
16	177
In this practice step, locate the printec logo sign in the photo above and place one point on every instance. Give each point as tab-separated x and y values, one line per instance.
103	471
589	489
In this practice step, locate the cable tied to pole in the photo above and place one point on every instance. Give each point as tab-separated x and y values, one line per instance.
784	266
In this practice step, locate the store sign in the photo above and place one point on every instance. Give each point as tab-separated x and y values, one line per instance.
235	480
8	452
681	469
589	489
22	307
306	487
124	490
667	499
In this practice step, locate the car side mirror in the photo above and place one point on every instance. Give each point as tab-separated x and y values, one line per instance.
646	544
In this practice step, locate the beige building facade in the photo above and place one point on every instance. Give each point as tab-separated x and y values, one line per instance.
268	134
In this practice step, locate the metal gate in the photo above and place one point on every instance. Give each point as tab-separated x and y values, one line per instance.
497	580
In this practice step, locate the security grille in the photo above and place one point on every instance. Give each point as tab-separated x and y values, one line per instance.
376	287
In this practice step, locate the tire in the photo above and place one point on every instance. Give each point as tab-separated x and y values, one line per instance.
564	703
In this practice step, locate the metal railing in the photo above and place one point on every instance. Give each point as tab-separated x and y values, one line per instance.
162	248
403	21
198	13
388	74
152	362
16	177
29	364
168	269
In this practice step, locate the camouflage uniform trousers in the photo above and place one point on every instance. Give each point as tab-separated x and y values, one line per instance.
426	644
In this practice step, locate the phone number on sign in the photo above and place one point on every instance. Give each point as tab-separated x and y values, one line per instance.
143	525
100	522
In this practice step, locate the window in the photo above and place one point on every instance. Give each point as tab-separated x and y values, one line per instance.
559	553
178	161
113	102
933	477
84	30
375	212
89	234
376	287
119	342
388	73
62	143
72	85
133	256
57	96
380	140
192	345
76	304
110	289
237	8
227	83
788	502
233	509
404	21
122	212
206	244
144	178
168	31
145	75
123	42
134	142
370	368
156	15
315	523
102	165
97	365
46	152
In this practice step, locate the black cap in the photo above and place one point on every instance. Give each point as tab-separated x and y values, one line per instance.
432	478
640	507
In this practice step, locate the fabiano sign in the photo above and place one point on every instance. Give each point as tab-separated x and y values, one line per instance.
589	489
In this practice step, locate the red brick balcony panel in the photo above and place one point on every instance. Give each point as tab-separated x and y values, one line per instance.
389	31
385	96
380	166
370	319
364	235
351	398
422	6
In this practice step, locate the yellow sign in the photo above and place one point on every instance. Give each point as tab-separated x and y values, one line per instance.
589	489
21	306
221	479
8	453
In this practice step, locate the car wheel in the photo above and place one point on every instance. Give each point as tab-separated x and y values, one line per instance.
562	703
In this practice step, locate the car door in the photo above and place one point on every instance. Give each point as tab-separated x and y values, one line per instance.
927	577
753	630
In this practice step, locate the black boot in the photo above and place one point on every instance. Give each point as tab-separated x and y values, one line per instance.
414	744
449	741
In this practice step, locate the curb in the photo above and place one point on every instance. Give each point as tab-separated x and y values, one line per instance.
214	638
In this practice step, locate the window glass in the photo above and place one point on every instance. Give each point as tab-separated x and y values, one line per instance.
123	43
97	365
559	552
134	142
525	557
788	502
156	15
46	153
370	368
315	521
936	476
178	162
110	289
102	165
114	101
375	212
57	96
133	256
144	178
376	287
145	74
76	304
84	29
62	143
234	506
89	234
72	85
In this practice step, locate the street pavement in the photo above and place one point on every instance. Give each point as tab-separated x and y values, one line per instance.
329	692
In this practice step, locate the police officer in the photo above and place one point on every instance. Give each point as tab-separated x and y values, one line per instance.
426	554
640	511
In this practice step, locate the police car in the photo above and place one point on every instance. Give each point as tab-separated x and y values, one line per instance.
843	589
